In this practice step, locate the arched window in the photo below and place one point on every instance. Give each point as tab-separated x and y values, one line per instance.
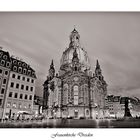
76	91
86	94
65	94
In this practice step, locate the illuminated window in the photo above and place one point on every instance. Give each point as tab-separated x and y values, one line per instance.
19	106
65	90
75	90
14	105
8	104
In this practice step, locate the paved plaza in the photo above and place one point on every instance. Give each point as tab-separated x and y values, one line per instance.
73	123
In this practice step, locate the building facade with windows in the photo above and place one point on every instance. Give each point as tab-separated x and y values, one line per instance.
74	91
116	106
21	89
5	66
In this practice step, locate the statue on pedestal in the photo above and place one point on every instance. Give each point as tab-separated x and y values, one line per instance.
127	113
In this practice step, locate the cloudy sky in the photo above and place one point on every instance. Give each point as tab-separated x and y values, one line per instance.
112	38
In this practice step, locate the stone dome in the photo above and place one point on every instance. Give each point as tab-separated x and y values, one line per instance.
67	55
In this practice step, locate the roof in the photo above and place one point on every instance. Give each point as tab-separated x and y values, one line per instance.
25	68
5	59
15	64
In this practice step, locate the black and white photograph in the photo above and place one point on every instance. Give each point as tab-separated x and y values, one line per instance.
69	70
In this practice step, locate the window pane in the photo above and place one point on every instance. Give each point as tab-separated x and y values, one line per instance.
75	90
75	100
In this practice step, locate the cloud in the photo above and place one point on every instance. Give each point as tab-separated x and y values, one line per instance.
113	38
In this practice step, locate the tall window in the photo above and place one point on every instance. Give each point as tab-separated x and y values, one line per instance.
20	70
65	94
12	84
16	95
6	72
0	102
75	90
28	79
4	81
17	85
0	71
2	91
7	64
30	98
86	94
13	75
32	81
18	77
23	78
22	87
10	94
2	62
21	95
26	96
27	87
31	88
15	68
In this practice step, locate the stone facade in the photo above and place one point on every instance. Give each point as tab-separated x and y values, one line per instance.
116	106
17	86
21	89
74	91
5	66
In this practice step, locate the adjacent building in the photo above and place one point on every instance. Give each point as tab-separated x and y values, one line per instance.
5	67
37	105
17	86
75	91
116	106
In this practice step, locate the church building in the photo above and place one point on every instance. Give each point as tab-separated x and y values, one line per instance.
75	91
